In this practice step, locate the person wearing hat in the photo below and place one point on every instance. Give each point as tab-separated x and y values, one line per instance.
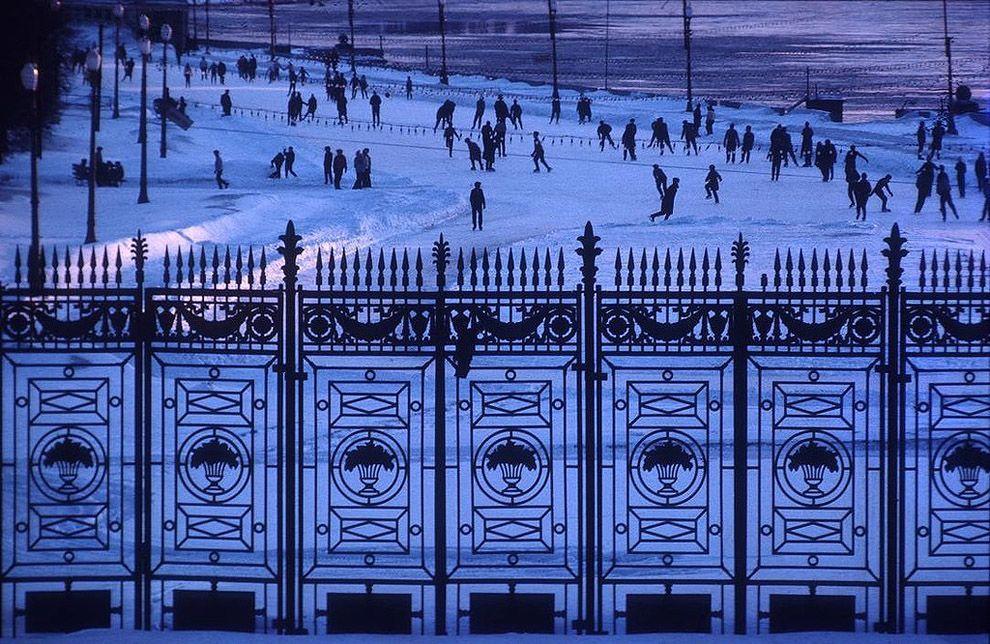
327	164
477	207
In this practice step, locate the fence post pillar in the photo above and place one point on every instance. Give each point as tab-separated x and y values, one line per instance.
740	431
141	332
441	259
291	499
893	425
589	252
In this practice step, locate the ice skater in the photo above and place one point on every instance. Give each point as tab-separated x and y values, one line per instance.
629	141
924	180
861	191
474	154
659	179
944	191
222	183
449	133
961	178
479	112
604	134
712	180
748	141
731	142
538	154
477	207
882	190
667	203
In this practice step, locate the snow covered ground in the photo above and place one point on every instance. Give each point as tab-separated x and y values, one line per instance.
419	192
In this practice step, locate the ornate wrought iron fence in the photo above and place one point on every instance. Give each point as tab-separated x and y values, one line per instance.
467	443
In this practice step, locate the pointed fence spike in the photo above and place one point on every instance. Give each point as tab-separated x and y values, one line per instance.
368	268
393	270
618	269
262	269
166	265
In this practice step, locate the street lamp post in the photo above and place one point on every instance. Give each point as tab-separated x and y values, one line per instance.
118	14
552	10
29	78
350	20
143	129
688	13
442	7
948	56
166	36
99	79
207	5
94	64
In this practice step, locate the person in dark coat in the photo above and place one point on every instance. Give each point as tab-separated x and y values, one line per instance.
961	178
226	103
604	134
980	167
807	144
748	141
985	215
311	106
689	134
696	114
538	154
327	164
222	71
555	109
501	109
924	180
712	181
218	171
629	141
359	165
376	109
921	134
276	163
290	159
474	153
341	108
862	190
479	112
339	168
515	115
187	73
488	146
882	190
659	179
499	137
944	191
477	207
831	156
731	142
709	120
852	174
409	87
449	133
938	133
667	203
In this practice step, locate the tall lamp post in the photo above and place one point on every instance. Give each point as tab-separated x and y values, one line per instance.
29	78
350	20
948	56
552	10
442	8
118	14
143	129
94	63
166	36
688	13
207	5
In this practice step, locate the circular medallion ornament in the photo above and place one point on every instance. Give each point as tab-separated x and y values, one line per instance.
921	325
369	467
511	466
262	323
668	467
559	325
68	464
813	468
961	469
865	326
617	325
214	464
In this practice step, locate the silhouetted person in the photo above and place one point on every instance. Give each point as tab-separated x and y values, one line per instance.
807	144
862	190
731	142
748	141
477	207
341	108
515	114
604	134
712	180
985	215
667	203
921	134
689	134
327	164
629	140
938	133
218	171
709	120
474	153
276	163
660	179
944	191
311	106
555	109
449	133
359	170
500	136
831	157
538	154
479	112
226	103
290	159
445	114
501	109
961	178
488	146
187	74
852	174
376	109
882	191
924	180
409	87
339	168
696	115
980	168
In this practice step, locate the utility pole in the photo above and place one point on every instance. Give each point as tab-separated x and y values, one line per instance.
608	17
271	27
687	48
441	7
207	25
350	20
99	87
552	10
948	56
